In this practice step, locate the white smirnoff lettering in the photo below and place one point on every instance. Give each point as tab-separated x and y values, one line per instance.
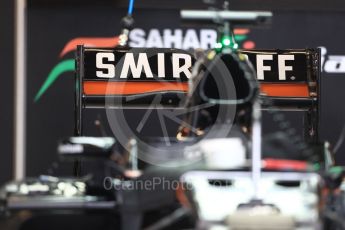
110	69
282	67
142	65
177	69
136	69
173	38
262	66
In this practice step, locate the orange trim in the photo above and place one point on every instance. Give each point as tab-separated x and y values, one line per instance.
128	88
285	90
89	42
241	31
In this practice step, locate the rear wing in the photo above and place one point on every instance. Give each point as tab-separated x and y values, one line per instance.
290	80
138	78
135	78
130	78
288	77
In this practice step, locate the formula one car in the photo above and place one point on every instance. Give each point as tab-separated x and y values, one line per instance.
217	172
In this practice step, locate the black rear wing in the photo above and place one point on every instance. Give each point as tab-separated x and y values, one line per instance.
138	78
135	78
290	80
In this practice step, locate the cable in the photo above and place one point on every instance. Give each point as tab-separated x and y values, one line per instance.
339	141
130	7
169	220
127	23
